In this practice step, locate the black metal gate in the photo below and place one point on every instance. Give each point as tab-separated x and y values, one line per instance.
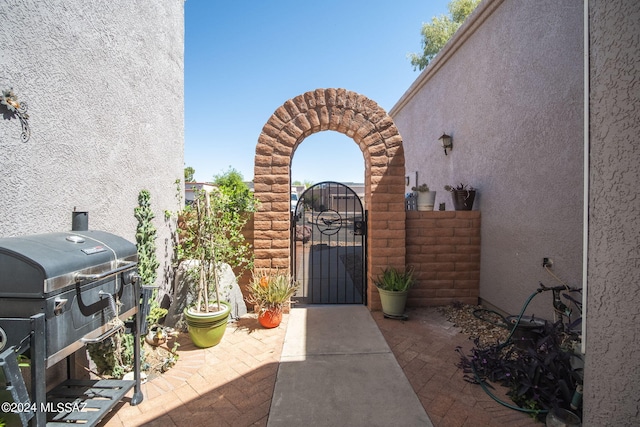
328	256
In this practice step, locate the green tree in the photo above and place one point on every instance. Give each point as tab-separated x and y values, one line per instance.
441	28
188	174
211	232
231	185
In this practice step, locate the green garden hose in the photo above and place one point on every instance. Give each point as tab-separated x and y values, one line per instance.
501	346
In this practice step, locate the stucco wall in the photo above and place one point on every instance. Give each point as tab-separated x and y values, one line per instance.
104	85
612	389
508	89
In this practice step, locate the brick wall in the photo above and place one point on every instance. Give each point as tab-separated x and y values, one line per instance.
370	127
444	248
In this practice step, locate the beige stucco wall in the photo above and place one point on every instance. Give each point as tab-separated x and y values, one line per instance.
508	89
612	388
104	85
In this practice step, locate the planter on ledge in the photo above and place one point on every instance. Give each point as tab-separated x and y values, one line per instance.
426	200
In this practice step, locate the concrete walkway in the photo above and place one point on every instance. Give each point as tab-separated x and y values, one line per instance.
337	370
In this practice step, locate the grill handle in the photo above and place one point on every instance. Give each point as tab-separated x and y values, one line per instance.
104	336
84	278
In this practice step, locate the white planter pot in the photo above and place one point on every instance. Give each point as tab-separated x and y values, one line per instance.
426	200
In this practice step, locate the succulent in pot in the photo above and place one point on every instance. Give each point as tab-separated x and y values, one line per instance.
393	286
270	292
463	196
425	197
422	188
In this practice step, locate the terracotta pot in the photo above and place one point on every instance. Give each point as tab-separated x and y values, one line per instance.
270	318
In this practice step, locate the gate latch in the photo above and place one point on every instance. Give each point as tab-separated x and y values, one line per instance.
359	228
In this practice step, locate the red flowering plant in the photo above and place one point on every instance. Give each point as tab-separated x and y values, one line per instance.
271	289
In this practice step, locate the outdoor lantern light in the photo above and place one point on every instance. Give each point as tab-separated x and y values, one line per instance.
446	142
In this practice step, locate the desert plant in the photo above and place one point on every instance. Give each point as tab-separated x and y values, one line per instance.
145	239
422	188
271	289
394	279
459	187
148	264
114	356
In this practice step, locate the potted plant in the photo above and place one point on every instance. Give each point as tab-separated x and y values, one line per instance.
269	292
210	240
425	197
463	196
393	286
207	317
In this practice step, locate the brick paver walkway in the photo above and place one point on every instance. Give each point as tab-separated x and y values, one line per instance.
424	347
232	383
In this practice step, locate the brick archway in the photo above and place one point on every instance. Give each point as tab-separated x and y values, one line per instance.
373	130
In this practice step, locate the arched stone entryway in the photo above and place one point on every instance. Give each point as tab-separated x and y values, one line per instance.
373	130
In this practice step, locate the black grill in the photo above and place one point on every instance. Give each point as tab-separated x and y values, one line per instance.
59	291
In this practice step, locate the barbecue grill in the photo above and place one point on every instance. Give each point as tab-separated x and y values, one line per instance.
58	292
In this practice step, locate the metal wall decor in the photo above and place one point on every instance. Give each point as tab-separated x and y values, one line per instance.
12	108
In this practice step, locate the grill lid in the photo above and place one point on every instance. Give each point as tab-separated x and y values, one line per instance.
32	266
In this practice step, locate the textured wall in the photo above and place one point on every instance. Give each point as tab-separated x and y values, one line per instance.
612	390
104	85
508	89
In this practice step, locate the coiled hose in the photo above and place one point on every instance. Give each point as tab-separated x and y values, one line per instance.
501	346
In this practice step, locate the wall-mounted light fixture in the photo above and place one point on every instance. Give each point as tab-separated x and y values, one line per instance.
447	142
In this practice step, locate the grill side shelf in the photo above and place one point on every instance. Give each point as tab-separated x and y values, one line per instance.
84	401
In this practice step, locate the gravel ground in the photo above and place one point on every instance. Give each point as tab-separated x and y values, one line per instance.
462	316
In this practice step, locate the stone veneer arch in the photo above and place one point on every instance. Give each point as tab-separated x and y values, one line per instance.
374	131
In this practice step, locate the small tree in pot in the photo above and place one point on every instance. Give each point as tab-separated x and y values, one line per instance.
210	235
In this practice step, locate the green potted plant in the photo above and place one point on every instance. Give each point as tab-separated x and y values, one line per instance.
207	316
210	237
393	286
425	198
270	292
463	196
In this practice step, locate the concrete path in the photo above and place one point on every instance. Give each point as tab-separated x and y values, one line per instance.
337	370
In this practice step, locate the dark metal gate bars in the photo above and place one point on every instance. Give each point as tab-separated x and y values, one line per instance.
328	231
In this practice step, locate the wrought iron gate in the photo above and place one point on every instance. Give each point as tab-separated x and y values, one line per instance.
328	251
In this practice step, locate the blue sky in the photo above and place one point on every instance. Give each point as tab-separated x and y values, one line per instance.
245	58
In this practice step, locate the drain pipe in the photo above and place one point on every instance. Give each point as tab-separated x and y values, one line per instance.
585	167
